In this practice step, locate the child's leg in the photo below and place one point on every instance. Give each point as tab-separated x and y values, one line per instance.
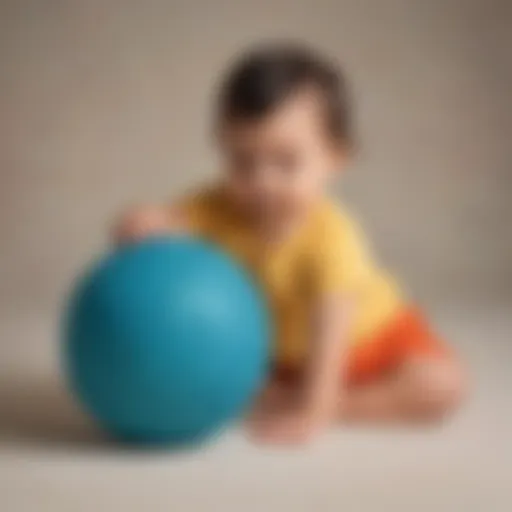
420	390
405	375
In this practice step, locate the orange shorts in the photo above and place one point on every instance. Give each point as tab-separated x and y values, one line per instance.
407	336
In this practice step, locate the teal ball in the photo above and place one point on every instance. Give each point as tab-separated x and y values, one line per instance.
166	341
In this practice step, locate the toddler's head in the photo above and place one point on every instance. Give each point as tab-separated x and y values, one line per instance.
284	128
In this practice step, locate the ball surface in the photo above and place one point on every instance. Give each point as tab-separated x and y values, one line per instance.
166	341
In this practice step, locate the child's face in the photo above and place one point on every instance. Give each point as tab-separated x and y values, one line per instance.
279	165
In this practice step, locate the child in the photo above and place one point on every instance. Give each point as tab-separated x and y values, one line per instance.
348	345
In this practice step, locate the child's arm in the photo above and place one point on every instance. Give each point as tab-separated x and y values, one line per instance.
142	222
339	263
304	415
343	263
330	321
192	213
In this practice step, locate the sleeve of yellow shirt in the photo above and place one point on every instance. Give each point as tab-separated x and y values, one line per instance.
199	210
341	258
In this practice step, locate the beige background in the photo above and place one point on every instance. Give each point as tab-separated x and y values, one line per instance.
104	103
107	102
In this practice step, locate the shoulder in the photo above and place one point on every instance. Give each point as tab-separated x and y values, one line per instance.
334	224
206	208
206	200
203	196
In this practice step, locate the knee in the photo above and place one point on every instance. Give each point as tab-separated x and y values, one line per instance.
441	388
448	388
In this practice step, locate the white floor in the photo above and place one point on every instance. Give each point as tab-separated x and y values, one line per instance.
51	458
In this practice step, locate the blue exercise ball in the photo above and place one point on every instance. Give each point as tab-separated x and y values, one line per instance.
166	341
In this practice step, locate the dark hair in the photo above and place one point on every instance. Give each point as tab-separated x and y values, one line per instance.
260	81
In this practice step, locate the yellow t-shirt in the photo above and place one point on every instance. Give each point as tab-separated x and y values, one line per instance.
327	254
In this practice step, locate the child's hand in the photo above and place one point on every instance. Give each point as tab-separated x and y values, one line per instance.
144	222
294	426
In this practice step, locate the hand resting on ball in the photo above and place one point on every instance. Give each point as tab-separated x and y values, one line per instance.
146	221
